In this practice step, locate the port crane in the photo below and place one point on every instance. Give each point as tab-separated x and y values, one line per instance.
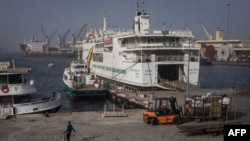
52	35
209	36
47	38
45	35
80	34
62	39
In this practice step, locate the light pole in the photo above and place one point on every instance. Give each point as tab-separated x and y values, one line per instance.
228	12
188	67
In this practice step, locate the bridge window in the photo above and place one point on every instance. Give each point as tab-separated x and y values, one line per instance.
15	78
3	79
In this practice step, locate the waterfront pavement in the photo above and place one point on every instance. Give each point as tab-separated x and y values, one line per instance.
91	126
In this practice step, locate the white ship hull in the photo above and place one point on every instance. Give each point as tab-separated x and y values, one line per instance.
141	57
144	74
39	106
18	96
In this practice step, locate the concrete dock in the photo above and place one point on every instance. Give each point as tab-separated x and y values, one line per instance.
91	126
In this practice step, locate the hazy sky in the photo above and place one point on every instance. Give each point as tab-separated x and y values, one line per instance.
21	19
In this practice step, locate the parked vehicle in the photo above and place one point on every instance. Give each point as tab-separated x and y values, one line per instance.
163	111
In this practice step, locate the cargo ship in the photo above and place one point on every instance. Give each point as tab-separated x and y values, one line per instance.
39	48
143	58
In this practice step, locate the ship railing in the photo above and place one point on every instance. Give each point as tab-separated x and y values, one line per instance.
183	33
180	33
165	58
112	110
154	45
5	111
161	58
169	58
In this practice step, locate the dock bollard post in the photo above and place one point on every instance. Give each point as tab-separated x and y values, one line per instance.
105	110
113	107
122	108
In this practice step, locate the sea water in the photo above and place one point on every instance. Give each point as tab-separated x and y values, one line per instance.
49	79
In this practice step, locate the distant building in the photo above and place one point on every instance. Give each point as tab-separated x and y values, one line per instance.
225	50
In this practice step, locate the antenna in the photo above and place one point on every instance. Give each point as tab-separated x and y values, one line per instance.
105	16
137	7
228	10
14	65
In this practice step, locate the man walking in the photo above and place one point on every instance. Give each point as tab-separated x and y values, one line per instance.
68	131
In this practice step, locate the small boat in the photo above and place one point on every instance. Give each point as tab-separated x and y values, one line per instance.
80	82
18	94
51	65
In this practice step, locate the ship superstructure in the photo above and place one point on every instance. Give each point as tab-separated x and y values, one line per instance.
141	57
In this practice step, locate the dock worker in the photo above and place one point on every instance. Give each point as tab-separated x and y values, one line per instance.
68	131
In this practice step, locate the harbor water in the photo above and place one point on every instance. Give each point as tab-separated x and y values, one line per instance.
49	79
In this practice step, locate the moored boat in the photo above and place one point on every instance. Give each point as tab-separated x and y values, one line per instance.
142	58
40	48
80	82
18	94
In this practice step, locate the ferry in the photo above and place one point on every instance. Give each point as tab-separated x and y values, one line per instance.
142	58
18	94
80	82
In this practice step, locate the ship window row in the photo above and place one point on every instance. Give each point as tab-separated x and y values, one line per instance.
76	72
152	42
18	99
11	79
103	48
98	57
159	56
22	99
163	58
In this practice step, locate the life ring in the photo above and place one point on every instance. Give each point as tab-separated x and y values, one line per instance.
5	89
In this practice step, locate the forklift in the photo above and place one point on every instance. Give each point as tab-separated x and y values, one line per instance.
163	110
